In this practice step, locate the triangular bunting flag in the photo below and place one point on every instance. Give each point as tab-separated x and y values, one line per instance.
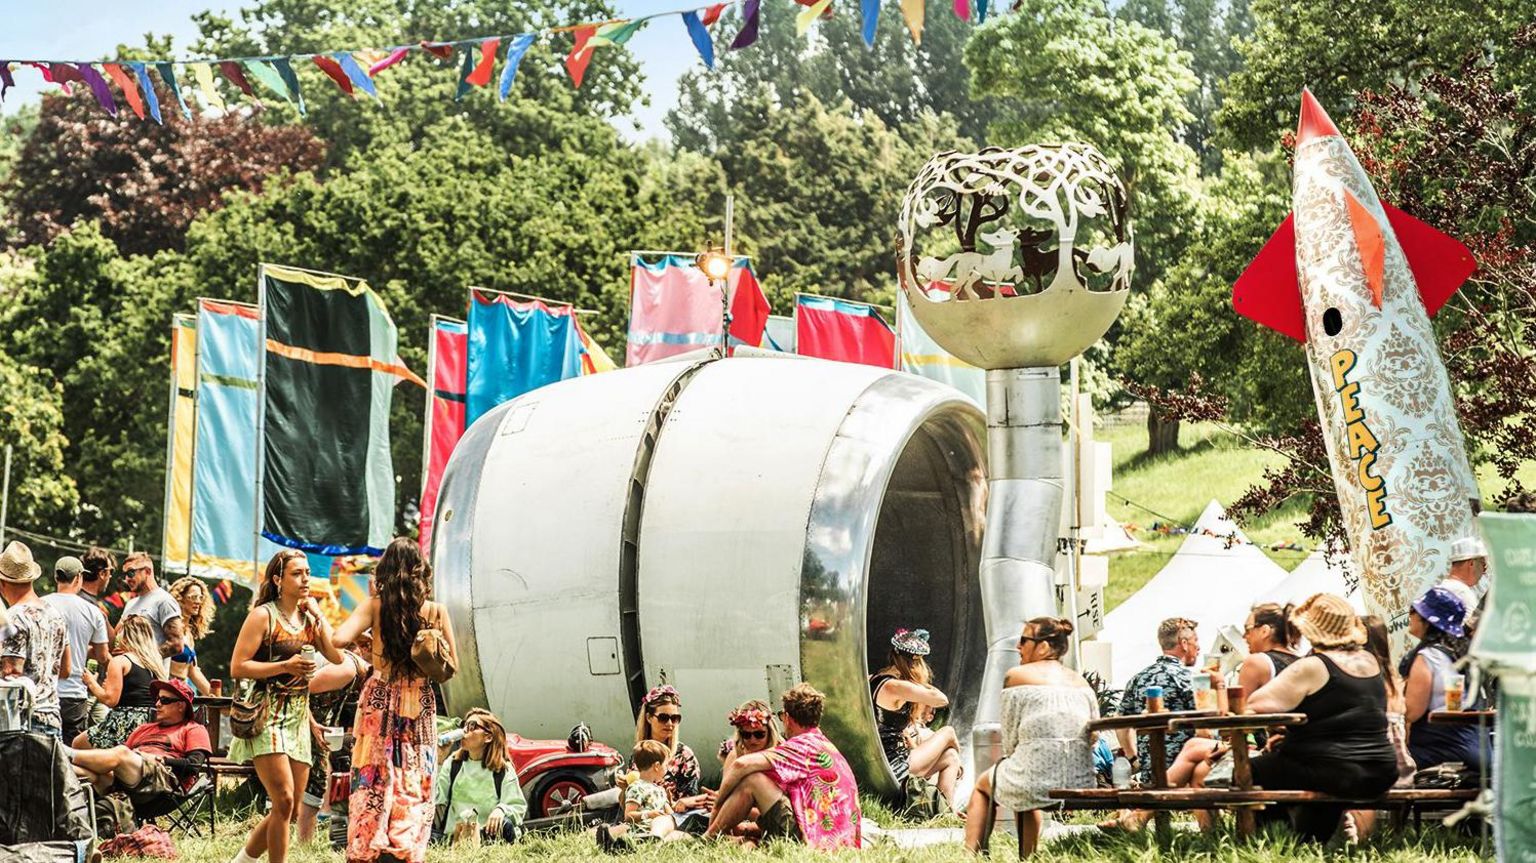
981	11
809	14
394	57
151	98
291	78
203	74
515	53
466	68
168	75
355	73
870	9
576	61
269	78
712	14
963	9
700	37
912	11
125	82
748	33
487	65
6	81
232	72
440	50
333	70
99	87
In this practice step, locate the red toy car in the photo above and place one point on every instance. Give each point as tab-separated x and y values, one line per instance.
557	774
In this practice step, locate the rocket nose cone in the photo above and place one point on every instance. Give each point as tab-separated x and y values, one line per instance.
1314	122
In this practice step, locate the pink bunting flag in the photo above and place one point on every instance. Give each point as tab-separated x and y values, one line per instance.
963	9
487	65
394	57
333	70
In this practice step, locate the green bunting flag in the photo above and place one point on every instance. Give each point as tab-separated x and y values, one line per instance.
269	78
168	75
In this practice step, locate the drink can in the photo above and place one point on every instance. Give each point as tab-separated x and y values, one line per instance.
308	652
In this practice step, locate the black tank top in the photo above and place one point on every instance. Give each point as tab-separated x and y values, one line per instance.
1281	659
891	724
1346	720
136	681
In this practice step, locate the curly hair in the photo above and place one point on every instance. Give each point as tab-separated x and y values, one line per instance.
203	622
404	582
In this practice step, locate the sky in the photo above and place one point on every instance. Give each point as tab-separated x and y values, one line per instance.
91	29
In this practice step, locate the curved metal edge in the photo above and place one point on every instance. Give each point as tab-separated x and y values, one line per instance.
840	535
453	551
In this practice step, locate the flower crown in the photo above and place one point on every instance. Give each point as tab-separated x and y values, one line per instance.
659	693
748	718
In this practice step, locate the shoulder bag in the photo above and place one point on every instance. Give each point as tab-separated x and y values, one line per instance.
431	655
248	709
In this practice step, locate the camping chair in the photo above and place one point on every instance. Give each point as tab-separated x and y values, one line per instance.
182	811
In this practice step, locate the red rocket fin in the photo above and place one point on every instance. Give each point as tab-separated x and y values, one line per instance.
1440	263
1267	292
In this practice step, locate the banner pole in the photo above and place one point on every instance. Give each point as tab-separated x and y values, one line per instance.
5	493
426	422
197	365
261	422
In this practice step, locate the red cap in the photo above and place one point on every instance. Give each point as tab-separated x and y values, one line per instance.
1314	120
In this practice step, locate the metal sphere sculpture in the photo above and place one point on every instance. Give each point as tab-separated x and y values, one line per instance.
1016	258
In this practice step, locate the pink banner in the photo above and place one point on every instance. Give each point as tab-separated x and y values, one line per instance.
835	329
445	425
674	309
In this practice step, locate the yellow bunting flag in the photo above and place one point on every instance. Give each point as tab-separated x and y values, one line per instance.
810	14
912	11
203	73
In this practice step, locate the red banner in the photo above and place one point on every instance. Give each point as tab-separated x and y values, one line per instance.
835	329
445	413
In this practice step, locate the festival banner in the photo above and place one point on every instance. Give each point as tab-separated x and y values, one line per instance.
445	411
593	358
514	347
923	356
224	542
175	551
844	330
1505	644
327	478
673	308
779	334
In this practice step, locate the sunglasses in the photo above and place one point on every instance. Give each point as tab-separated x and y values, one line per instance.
168	700
136	571
753	735
1025	639
669	718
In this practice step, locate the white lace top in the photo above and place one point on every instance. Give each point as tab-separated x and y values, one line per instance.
1045	744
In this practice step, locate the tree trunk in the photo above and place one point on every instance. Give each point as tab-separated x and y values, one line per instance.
1162	435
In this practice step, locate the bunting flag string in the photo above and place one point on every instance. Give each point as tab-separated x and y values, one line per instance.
354	70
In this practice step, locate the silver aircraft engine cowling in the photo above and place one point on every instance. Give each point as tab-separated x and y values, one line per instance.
726	526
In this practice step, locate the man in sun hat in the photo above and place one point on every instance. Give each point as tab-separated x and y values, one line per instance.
159	757
36	636
1469	562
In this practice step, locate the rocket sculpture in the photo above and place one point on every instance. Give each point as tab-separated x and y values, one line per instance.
1356	281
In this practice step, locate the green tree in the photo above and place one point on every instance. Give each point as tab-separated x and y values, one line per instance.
1067	71
1341	49
896	80
42	492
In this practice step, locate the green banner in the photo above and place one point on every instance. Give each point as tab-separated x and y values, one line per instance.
1506	633
1514	772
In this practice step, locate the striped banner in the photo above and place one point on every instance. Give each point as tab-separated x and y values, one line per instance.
175	545
843	330
673	309
446	346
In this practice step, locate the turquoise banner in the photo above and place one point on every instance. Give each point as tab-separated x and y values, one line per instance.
1505	644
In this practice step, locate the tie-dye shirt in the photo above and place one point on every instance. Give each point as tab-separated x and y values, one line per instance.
820	787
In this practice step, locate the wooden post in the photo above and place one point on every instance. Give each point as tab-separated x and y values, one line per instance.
1157	750
1242	780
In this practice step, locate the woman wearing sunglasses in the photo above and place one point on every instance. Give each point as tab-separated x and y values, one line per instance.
755	732
661	719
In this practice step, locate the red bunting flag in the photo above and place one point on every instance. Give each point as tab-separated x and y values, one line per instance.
440	50
232	72
125	81
712	14
333	70
576	61
482	74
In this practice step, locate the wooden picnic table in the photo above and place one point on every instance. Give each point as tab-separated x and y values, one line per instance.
1234	730
1156	727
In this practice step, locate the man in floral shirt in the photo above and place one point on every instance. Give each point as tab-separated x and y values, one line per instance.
35	643
803	787
1171	671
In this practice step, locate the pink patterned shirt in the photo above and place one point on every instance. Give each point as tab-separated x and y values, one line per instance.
820	787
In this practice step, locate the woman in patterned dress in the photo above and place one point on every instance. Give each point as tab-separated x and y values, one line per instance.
284	619
394	753
1046	743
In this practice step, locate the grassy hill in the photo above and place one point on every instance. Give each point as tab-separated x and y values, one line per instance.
1175	488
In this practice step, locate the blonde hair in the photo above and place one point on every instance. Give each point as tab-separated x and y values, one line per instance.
495	757
137	639
199	625
772	727
643	725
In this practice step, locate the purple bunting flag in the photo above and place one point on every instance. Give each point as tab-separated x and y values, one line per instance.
99	87
6	81
748	33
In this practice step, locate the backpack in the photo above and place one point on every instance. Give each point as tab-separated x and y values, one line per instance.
921	799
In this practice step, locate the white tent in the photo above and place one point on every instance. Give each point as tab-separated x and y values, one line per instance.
1208	580
1317	575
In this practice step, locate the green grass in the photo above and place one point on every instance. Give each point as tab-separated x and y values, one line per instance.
1435	845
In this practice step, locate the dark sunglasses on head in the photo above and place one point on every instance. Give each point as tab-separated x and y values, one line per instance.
754	735
669	717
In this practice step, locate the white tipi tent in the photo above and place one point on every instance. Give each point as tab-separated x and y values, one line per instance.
1207	580
1317	575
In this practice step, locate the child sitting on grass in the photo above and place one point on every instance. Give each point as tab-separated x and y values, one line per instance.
647	809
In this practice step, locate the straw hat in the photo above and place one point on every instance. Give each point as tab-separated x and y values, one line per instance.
1326	620
17	565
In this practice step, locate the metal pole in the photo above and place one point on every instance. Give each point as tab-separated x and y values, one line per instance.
5	494
1075	527
254	575
725	285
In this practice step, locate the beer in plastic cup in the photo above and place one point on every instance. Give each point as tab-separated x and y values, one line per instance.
1453	692
1154	699
1205	696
